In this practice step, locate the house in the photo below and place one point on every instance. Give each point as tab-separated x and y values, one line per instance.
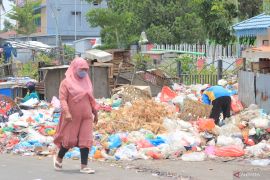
65	19
259	55
254	86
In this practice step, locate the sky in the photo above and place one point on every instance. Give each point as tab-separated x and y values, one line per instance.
8	7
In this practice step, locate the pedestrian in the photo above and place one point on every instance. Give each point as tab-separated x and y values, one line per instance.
220	99
77	114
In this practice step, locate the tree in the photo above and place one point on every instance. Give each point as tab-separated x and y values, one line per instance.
188	29
249	8
160	19
25	17
114	24
217	17
8	26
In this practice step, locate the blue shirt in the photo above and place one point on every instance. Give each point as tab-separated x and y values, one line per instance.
214	92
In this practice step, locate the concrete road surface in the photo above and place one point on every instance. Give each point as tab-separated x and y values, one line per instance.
14	167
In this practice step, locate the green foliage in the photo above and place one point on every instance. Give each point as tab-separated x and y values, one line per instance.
8	26
171	21
188	29
247	40
113	24
69	53
159	34
188	63
29	69
141	61
123	22
249	8
217	17
42	57
25	16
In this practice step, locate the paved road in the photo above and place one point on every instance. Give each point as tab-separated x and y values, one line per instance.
13	167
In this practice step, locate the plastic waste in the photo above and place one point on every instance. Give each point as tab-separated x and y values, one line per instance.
260	122
143	144
128	152
179	100
154	155
73	154
167	94
229	151
55	102
177	87
114	141
117	103
236	104
226	141
157	141
206	124
98	154
173	125
93	151
258	150
230	130
194	156
210	150
260	162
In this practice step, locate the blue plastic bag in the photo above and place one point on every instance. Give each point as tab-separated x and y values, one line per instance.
156	141
114	141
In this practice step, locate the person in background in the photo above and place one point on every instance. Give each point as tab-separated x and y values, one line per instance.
220	99
31	88
78	113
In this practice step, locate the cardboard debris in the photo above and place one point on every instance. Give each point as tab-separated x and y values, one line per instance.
130	93
192	110
143	114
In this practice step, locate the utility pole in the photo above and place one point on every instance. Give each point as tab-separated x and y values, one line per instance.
75	16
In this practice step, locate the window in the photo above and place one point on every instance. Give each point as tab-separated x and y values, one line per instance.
78	18
265	43
38	22
96	3
77	13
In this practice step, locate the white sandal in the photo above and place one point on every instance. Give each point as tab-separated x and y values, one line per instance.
57	165
87	170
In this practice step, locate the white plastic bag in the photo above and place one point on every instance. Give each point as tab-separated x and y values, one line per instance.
260	122
260	162
55	102
226	141
179	100
258	150
194	156
128	152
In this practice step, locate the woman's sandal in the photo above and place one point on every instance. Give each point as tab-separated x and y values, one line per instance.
87	170
57	166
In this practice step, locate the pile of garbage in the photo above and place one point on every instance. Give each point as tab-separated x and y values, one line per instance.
146	114
31	132
243	135
148	129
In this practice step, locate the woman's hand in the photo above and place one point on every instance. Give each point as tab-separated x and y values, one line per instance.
68	117
96	116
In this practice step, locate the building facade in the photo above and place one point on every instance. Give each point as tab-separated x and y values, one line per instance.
63	20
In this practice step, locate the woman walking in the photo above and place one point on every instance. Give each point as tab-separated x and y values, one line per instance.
78	114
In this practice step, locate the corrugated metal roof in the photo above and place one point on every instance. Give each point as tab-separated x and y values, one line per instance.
254	26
